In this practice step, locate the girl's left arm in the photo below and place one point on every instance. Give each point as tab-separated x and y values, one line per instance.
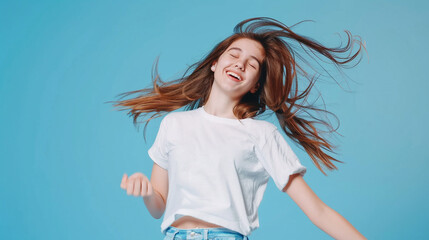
318	212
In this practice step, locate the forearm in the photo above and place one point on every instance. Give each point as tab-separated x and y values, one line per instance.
335	225
155	204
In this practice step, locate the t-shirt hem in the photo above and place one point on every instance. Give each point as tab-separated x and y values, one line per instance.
156	160
301	170
235	226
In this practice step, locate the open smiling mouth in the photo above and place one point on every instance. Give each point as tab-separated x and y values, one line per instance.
234	76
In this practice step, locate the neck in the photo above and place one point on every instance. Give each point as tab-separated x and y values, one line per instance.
220	105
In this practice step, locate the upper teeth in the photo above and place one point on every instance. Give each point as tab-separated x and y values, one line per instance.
235	75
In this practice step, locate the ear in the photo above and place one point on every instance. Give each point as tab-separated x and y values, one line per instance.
255	88
213	67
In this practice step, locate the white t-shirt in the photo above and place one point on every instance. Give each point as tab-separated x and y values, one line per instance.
218	168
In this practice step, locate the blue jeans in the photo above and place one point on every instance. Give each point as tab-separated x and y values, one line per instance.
173	233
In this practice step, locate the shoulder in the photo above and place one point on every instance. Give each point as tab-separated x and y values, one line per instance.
179	117
260	126
259	130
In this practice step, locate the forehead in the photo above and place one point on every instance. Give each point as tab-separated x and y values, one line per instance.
249	46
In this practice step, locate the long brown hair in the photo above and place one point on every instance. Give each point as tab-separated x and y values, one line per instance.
278	89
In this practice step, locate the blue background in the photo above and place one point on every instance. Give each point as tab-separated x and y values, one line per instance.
63	150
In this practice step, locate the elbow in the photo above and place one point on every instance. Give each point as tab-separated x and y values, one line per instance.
156	215
318	213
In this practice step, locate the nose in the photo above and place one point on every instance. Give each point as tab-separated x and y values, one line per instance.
239	65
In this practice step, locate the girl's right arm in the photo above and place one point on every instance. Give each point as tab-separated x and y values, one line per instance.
154	192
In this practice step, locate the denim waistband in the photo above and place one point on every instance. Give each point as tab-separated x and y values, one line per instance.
202	233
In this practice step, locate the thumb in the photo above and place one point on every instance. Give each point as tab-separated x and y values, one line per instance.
124	181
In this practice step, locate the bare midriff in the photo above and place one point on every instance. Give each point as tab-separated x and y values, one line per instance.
188	222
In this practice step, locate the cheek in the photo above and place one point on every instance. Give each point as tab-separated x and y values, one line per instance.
225	60
222	64
255	75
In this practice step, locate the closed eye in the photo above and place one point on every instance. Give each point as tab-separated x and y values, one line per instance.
232	55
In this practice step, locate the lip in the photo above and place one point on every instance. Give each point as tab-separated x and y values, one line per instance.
233	78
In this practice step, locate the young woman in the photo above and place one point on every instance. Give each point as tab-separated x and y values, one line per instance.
213	161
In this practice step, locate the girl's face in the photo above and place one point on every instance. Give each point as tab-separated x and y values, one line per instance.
237	70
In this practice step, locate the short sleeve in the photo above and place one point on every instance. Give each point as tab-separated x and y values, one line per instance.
278	159
159	150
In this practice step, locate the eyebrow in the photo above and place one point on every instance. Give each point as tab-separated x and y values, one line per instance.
239	49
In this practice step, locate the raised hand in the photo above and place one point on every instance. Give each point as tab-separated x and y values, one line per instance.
137	184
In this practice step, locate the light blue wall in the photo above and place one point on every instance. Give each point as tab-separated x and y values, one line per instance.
63	150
